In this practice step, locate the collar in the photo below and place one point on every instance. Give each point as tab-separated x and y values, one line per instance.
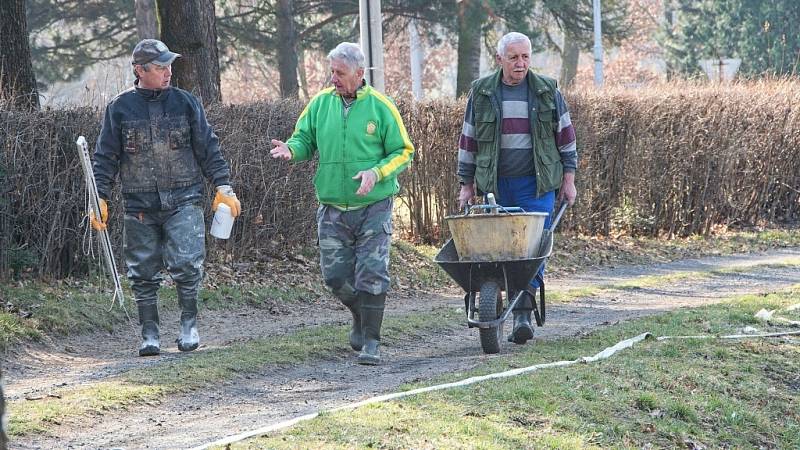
497	80
149	94
360	92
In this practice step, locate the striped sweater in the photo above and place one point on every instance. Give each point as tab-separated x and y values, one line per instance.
516	155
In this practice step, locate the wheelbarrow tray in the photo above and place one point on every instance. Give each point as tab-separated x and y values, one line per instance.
470	275
496	237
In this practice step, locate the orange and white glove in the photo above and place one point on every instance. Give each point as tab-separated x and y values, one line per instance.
101	223
225	195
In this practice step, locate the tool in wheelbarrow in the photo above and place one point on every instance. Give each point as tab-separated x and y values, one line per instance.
498	250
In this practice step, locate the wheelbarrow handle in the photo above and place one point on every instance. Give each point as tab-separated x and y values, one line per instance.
558	216
511	209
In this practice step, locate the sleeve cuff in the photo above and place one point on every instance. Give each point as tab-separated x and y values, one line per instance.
377	174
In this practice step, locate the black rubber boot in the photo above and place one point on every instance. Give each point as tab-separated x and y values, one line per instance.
188	339
523	330
372	307
148	319
353	303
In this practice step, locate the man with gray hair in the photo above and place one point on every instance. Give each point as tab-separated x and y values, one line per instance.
518	142
362	146
157	138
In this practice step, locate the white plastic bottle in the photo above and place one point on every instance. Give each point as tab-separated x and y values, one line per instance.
223	222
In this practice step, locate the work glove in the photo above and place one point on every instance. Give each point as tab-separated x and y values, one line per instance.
101	224
225	195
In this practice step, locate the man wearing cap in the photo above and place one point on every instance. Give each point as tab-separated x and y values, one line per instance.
157	138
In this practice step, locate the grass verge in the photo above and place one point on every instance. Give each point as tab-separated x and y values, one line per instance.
660	394
652	281
202	368
35	308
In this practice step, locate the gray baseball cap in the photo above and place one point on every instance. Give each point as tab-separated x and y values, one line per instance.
152	51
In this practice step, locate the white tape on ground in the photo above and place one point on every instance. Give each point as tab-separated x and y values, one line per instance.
606	353
382	398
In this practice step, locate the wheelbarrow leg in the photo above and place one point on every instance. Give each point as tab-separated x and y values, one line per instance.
523	330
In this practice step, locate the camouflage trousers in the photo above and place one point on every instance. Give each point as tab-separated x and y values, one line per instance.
173	240
354	247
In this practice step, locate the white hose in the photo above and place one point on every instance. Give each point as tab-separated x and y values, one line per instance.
604	354
94	205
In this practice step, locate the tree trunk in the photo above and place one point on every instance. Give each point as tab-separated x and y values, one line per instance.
3	437
287	51
17	80
146	22
416	56
301	73
189	27
570	53
471	15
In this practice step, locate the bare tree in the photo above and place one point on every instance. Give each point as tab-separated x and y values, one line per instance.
570	52
287	50
146	23
3	437
189	28
17	80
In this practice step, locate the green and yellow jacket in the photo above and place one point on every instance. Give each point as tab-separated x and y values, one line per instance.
371	136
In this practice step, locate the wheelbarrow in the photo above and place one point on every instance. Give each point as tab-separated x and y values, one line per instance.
499	250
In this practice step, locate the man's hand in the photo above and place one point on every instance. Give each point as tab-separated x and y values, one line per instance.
225	195
568	191
280	150
465	195
102	223
368	179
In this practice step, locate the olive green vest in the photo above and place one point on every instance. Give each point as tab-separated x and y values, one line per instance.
544	124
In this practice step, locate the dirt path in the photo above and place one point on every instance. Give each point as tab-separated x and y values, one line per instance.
280	393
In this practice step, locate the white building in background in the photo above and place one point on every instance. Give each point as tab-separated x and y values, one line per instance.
722	69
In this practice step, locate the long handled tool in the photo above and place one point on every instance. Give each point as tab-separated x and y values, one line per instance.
94	208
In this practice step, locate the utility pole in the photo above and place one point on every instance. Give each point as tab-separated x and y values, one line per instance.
598	45
369	12
415	57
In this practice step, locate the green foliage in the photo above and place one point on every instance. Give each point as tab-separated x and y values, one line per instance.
628	218
68	36
250	27
576	18
21	260
761	33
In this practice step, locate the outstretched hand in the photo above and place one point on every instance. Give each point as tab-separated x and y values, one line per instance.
280	150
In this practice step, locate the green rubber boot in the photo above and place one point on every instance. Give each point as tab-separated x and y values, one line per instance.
523	330
148	319
353	303
372	307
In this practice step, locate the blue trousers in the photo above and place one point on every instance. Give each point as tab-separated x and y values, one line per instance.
521	192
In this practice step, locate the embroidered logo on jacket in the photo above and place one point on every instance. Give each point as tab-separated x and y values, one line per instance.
371	127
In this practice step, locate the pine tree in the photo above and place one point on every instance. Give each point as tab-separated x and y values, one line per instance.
762	34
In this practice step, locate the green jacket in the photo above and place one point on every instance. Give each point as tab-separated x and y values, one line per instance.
488	121
371	136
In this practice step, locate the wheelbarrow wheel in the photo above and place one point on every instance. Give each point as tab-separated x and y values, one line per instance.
490	307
